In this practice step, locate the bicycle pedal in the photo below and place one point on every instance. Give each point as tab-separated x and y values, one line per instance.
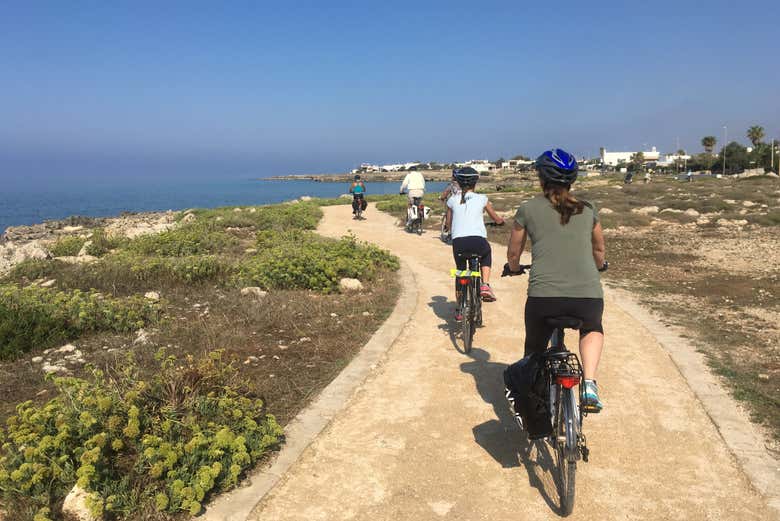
591	409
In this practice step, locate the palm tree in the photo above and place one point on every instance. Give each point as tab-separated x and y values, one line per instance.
708	142
755	134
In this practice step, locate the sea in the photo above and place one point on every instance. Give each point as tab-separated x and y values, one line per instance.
31	204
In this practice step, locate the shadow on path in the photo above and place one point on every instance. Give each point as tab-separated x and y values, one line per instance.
502	438
445	310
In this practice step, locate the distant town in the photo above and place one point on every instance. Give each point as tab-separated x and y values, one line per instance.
734	158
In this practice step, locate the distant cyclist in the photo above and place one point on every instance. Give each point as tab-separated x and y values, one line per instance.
567	248
414	185
464	219
452	189
358	191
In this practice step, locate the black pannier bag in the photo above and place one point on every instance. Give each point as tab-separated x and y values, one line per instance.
364	203
527	393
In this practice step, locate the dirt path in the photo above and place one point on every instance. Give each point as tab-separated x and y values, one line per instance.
429	436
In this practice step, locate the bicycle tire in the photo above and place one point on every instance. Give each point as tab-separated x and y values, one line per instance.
467	322
566	449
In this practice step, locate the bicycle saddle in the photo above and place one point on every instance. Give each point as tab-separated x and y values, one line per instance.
564	322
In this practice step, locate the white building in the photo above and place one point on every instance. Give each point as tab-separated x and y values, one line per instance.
671	159
616	158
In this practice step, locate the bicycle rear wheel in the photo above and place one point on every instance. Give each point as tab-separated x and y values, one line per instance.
566	429
467	320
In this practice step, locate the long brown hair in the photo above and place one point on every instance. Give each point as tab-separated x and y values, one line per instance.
563	202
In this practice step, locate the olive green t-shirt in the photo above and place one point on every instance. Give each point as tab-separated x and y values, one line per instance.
563	264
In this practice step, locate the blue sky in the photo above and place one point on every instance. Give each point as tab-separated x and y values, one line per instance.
246	89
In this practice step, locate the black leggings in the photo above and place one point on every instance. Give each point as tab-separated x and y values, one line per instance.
538	309
472	244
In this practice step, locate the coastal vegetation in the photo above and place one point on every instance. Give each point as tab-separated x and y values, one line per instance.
189	350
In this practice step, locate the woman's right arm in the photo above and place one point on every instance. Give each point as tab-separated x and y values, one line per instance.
599	250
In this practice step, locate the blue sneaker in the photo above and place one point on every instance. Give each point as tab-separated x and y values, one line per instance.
590	397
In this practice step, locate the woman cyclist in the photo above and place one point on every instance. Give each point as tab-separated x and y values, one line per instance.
452	189
358	191
567	248
464	220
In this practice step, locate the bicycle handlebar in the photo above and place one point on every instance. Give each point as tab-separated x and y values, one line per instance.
509	273
523	267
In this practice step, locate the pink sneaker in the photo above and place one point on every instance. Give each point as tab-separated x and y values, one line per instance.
487	293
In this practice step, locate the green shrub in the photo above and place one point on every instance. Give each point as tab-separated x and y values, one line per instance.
134	445
304	260
68	246
304	216
35	317
396	204
101	243
34	269
179	269
191	239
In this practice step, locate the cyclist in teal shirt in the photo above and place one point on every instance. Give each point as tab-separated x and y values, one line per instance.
358	191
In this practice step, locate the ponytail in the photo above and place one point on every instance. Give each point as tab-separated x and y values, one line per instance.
464	189
563	202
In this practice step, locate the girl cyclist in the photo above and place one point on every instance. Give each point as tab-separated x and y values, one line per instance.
464	220
567	248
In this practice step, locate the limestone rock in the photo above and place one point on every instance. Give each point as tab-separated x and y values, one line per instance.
84	249
142	338
345	196
188	218
49	283
731	222
645	210
670	210
350	284
306	198
606	211
691	212
36	359
67	348
152	295
53	368
254	291
75	505
83	259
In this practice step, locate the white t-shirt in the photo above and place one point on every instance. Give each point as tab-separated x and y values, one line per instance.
467	218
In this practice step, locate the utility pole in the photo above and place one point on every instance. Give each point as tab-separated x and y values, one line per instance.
725	142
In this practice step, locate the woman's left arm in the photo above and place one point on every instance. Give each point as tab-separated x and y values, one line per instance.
493	215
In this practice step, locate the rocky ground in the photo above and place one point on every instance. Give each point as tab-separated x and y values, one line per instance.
20	243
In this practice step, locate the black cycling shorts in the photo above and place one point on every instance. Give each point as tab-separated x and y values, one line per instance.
538	309
472	244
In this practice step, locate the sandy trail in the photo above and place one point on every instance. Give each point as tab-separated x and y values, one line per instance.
430	436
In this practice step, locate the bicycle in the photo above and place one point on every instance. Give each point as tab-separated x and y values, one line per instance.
444	233
357	206
415	214
469	282
562	372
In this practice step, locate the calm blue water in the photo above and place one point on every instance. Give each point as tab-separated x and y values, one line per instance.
29	205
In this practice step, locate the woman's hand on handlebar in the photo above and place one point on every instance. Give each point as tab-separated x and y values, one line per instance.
509	273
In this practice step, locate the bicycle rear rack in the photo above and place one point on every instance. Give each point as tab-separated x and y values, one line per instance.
562	363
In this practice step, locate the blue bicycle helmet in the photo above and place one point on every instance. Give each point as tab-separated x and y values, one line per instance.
465	176
557	166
